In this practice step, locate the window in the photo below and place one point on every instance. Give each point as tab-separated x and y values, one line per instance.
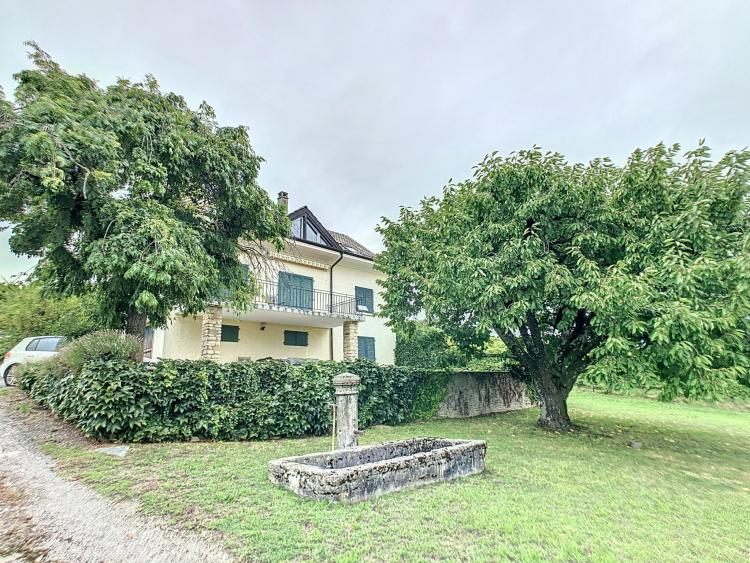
295	338
366	347
303	229
297	228
230	333
295	291
364	298
44	344
312	234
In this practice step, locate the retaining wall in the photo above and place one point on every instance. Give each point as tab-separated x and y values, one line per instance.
477	393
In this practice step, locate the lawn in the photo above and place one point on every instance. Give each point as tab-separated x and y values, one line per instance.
584	496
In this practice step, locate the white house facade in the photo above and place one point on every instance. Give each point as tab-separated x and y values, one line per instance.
317	301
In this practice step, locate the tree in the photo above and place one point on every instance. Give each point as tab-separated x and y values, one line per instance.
636	273
421	345
128	193
25	311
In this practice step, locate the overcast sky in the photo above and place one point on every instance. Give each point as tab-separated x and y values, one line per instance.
359	108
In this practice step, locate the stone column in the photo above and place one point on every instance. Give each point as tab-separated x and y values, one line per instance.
347	391
351	348
211	333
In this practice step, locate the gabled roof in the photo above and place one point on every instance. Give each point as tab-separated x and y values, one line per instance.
331	239
348	244
310	216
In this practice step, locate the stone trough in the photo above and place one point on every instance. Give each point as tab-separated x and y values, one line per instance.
360	473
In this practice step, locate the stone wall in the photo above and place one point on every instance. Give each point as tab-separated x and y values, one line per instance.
351	344
211	333
477	393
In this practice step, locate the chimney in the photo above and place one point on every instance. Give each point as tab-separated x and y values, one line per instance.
283	200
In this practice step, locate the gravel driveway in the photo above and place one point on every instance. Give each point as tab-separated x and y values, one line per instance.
47	518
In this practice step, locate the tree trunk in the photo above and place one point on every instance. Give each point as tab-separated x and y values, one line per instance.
554	379
554	413
136	326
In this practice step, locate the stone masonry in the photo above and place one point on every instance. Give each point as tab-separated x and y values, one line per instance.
347	390
211	333
351	348
478	393
356	474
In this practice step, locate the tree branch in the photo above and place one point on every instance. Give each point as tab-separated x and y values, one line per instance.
558	317
580	323
536	335
515	347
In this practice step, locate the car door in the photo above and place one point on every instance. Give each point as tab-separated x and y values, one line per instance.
28	351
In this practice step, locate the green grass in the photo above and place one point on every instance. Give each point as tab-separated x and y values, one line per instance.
582	496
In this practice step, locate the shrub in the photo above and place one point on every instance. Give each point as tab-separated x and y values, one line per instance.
390	394
115	398
104	344
424	346
95	384
42	380
73	356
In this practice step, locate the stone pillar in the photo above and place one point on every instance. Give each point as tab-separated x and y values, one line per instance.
347	391
351	348
211	333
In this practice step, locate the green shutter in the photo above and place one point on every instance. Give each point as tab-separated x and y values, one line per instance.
295	291
230	333
295	338
366	347
364	297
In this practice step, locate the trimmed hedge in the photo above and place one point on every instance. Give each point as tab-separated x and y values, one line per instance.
118	399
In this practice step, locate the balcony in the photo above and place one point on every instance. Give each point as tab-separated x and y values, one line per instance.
278	302
290	296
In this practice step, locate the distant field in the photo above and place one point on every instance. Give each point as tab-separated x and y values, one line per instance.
584	496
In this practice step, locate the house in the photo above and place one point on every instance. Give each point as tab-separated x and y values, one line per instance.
316	301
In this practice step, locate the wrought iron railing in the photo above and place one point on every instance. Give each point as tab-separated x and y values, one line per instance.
287	295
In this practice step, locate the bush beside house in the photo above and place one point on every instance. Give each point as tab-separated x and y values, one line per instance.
111	397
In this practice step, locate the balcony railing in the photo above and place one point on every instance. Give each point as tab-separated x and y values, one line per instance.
285	295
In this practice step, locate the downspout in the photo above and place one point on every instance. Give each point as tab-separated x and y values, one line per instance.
330	300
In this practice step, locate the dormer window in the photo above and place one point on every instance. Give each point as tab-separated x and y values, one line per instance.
303	229
311	234
297	228
307	228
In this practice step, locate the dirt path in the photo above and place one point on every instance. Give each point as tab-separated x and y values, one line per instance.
47	518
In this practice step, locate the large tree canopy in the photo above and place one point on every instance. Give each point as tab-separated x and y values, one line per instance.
126	192
637	273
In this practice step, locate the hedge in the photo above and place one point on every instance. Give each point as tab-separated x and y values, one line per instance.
121	400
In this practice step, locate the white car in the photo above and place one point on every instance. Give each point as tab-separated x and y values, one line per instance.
28	350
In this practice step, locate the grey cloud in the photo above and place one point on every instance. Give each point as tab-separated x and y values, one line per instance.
361	107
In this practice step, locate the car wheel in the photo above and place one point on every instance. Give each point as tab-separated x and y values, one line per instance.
10	376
